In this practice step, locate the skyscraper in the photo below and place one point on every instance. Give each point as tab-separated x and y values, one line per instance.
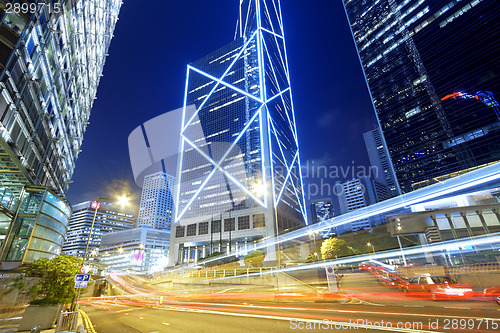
157	204
51	60
109	218
239	147
379	158
432	70
321	210
358	193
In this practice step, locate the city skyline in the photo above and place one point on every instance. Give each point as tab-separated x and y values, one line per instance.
336	100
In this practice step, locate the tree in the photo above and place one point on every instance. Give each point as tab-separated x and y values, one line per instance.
254	259
56	279
334	248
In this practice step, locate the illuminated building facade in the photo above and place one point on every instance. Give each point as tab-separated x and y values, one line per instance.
51	60
239	169
379	158
358	193
432	72
141	249
157	204
321	210
38	229
109	218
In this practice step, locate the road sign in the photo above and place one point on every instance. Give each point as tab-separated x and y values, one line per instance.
81	284
84	269
82	277
332	279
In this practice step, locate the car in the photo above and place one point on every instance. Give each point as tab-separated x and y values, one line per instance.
492	293
437	287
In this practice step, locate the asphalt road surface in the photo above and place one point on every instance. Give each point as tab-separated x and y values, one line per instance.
224	316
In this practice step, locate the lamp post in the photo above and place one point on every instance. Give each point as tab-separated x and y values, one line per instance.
370	244
399	242
95	205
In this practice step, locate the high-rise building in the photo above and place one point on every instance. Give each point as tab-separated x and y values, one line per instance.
51	60
108	218
433	76
379	158
239	157
141	249
157	204
321	210
358	193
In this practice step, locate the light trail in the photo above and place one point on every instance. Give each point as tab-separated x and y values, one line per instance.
466	181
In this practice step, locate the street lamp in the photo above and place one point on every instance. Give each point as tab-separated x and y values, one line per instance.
370	244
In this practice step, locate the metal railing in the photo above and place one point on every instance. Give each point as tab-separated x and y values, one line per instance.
67	321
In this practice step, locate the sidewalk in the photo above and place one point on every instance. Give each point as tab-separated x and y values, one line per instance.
53	330
11	324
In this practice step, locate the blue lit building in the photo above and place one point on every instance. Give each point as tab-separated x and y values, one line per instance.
321	210
51	61
157	204
239	170
379	158
433	72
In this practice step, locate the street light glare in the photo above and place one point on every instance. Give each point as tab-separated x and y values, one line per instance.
123	200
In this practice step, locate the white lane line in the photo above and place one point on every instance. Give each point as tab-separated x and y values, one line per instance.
13	318
343	311
296	320
166	324
141	318
456	307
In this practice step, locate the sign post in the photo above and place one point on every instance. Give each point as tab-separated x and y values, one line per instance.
332	280
81	280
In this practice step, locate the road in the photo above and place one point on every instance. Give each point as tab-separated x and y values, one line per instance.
365	287
226	316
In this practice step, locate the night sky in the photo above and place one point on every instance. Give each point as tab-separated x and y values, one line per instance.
145	73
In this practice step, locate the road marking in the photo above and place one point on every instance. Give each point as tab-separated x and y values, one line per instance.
289	319
13	318
340	311
166	324
141	318
413	306
456	307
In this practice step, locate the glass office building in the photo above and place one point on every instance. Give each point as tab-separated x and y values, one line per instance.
39	227
51	60
433	72
108	218
157	203
239	147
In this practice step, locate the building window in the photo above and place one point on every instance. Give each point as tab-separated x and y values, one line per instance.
215	226
243	222
259	221
191	230
179	232
203	228
229	224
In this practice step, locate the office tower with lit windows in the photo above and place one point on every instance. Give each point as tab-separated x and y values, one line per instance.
157	204
379	159
433	72
239	174
321	210
142	249
108	218
358	193
51	60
